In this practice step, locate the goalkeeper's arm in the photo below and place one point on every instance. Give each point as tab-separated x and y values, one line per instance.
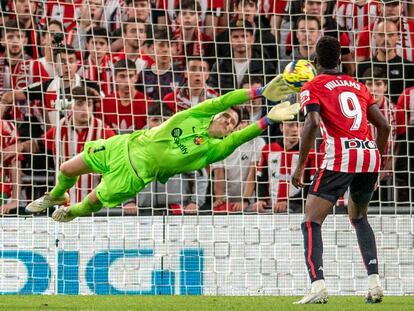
275	90
282	112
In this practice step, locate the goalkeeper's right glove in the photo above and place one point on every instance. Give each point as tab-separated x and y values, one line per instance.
277	89
282	112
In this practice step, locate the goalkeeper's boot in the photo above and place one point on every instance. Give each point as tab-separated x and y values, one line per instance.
63	215
320	297
46	202
374	295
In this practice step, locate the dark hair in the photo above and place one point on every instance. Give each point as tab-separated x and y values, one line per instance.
308	18
123	65
130	1
244	2
10	26
239	114
328	52
46	27
252	80
162	33
196	58
191	5
375	73
159	109
132	20
240	25
97	32
82	93
69	50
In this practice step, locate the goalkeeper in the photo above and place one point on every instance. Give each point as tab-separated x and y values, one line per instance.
188	141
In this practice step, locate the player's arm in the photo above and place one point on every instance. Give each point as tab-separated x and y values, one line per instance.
383	128
275	90
307	142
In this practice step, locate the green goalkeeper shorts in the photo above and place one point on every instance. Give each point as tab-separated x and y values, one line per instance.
110	158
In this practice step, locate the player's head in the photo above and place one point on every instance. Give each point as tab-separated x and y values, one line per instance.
375	79
82	105
125	76
244	116
187	12
328	53
97	42
224	123
12	39
197	72
158	112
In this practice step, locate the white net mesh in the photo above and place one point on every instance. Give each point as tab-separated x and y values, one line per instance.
232	228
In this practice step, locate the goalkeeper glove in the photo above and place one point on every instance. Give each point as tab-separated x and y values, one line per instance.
276	90
282	112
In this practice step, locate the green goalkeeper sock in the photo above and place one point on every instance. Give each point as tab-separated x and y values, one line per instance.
64	183
84	208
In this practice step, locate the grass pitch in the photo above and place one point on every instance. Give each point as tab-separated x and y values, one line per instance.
195	303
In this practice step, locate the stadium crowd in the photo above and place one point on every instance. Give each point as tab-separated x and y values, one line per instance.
131	64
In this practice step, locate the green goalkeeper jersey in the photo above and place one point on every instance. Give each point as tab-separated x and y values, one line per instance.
182	143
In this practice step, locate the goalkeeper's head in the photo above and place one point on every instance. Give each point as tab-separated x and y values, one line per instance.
225	123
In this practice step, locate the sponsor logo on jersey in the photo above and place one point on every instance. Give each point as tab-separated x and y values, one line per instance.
176	132
198	140
356	144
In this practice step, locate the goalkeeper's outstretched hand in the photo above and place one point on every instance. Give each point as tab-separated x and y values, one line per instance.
277	89
283	112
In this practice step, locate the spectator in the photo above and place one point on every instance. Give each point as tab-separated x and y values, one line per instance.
138	10
42	68
9	170
25	14
228	74
76	129
13	59
125	110
182	194
400	72
235	177
256	106
375	79
264	40
97	64
320	9
354	16
188	38
162	77
308	32
274	10
278	162
391	10
404	165
195	90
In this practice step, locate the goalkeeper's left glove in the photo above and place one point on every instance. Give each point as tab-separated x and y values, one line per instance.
282	112
276	90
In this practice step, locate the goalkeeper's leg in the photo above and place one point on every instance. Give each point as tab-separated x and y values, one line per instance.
90	204
67	178
360	194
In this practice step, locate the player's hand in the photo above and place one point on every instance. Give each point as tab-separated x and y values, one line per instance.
297	178
280	207
277	89
283	112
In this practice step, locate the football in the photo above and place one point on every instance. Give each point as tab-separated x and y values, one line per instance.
297	73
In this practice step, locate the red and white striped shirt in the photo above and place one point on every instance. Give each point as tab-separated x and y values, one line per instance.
8	137
276	168
65	12
343	103
72	141
365	46
270	7
354	17
405	111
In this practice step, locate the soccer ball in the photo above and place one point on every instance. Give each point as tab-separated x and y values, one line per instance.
297	73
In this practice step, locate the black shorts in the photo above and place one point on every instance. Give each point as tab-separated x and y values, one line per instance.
331	185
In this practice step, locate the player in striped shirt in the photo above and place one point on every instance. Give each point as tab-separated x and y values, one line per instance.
341	107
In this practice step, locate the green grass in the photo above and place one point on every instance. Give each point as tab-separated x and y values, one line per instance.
194	303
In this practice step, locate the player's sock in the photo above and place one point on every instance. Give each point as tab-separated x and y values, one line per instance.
84	208
64	183
367	245
312	241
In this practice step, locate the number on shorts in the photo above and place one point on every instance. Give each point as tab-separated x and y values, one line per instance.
351	108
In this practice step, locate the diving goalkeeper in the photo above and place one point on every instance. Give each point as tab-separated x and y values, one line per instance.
188	141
